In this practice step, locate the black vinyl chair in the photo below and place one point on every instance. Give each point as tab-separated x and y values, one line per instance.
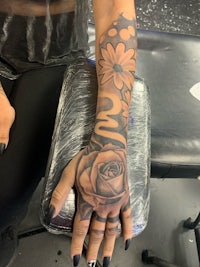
170	66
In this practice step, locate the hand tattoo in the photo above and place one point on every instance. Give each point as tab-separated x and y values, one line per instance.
103	181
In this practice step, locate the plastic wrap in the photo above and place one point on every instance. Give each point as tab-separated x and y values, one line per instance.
73	128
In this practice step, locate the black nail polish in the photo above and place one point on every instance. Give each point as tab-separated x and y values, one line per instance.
76	260
127	244
49	214
106	261
2	148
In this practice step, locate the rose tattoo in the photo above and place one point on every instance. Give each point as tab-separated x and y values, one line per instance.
104	180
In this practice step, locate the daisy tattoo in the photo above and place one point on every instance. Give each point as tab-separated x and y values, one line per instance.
118	49
117	64
116	67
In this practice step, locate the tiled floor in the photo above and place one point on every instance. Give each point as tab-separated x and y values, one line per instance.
172	200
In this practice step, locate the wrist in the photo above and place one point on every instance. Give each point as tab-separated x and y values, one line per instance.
100	138
111	120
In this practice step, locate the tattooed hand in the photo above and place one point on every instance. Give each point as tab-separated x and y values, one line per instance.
99	172
100	177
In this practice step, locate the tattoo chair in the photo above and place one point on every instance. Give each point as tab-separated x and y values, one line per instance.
170	65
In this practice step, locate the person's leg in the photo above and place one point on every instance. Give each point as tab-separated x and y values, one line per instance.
35	97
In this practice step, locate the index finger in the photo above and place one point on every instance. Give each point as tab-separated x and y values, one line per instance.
64	186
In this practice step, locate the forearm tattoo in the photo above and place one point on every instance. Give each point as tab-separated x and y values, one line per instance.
116	77
102	170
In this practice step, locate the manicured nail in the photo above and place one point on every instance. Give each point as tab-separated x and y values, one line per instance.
50	214
106	261
2	148
76	260
92	263
127	244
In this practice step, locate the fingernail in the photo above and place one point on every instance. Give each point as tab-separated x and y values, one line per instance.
127	244
2	148
50	214
106	261
76	260
92	263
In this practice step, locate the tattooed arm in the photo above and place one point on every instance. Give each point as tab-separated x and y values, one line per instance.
7	116
100	170
115	54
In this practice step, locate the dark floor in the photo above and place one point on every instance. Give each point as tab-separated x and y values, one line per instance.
172	200
164	234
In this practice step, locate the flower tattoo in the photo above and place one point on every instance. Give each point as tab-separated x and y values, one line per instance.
117	64
104	180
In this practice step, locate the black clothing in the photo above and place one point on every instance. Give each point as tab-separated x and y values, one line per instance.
37	34
34	97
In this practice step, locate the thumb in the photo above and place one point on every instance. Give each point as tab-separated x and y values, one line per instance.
64	186
5	125
4	136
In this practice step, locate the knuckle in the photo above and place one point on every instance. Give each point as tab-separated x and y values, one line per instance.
96	239
3	139
5	118
128	232
81	231
111	232
56	194
128	213
4	126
